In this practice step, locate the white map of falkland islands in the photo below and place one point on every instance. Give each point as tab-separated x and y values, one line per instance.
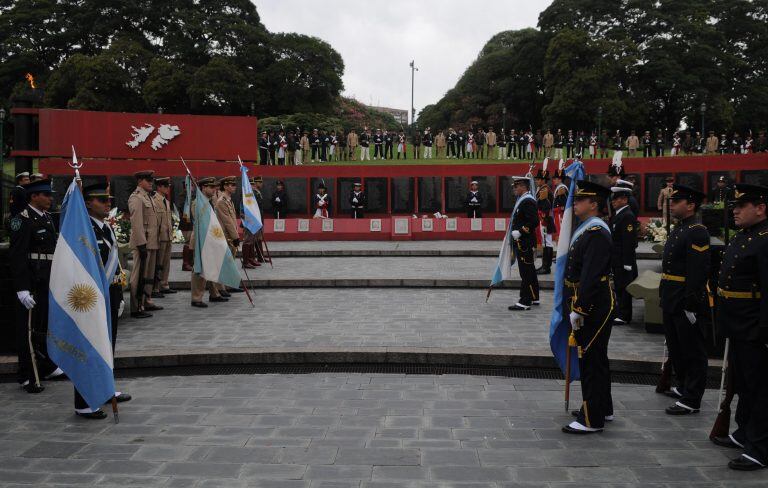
165	133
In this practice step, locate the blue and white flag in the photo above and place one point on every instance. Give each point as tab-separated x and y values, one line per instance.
79	324
560	323
251	211
506	256
187	210
213	259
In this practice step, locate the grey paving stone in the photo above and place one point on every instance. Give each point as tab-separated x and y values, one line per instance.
202	470
379	457
52	449
449	457
279	472
469	473
258	455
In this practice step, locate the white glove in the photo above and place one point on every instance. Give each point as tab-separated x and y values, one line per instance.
354	200
277	199
516	234
121	308
26	299
474	200
690	316
577	320
627	268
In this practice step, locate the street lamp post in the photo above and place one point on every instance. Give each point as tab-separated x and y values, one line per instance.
413	109
504	120
703	110
599	120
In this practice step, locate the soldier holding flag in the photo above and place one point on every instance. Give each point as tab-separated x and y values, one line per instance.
588	291
98	204
525	220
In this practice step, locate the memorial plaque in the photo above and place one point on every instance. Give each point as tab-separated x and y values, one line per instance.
375	225
500	225
303	225
401	226
279	225
402	191
430	194
456	189
327	225
451	224
476	225
427	225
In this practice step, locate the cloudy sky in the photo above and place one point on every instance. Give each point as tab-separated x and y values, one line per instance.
377	40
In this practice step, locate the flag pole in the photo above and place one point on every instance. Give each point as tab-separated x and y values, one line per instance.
263	234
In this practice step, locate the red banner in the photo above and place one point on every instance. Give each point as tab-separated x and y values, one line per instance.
147	136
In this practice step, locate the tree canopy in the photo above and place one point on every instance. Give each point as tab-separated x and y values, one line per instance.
648	65
192	56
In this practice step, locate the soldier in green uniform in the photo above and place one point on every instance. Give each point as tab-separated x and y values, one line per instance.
742	314
682	291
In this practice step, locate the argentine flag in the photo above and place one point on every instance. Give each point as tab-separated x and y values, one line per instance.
79	325
213	259
560	325
251	211
186	211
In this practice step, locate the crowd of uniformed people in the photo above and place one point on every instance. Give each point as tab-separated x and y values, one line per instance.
600	265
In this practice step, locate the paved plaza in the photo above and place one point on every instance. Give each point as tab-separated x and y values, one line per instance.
306	318
355	430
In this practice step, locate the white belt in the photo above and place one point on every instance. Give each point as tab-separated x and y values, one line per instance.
41	257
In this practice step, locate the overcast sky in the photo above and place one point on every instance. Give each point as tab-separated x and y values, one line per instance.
377	40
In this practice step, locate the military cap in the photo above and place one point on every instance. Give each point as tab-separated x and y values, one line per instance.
24	174
257	179
669	179
682	192
280	183
146	174
521	179
39	186
207	181
322	185
36	176
620	191
722	178
98	190
750	193
542	174
474	182
163	181
616	170
357	183
228	180
587	189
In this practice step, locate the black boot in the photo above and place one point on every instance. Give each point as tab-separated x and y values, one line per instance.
546	261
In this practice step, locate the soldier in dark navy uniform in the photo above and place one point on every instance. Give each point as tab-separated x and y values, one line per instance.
18	200
474	201
588	291
623	225
720	193
682	291
33	242
279	200
742	314
358	201
97	201
525	220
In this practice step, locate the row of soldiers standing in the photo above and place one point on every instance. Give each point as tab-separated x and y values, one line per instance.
601	257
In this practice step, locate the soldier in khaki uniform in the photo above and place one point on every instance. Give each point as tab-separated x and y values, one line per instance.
490	139
208	187
225	212
145	228
352	142
165	215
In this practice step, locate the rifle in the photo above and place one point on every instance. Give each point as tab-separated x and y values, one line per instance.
723	421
